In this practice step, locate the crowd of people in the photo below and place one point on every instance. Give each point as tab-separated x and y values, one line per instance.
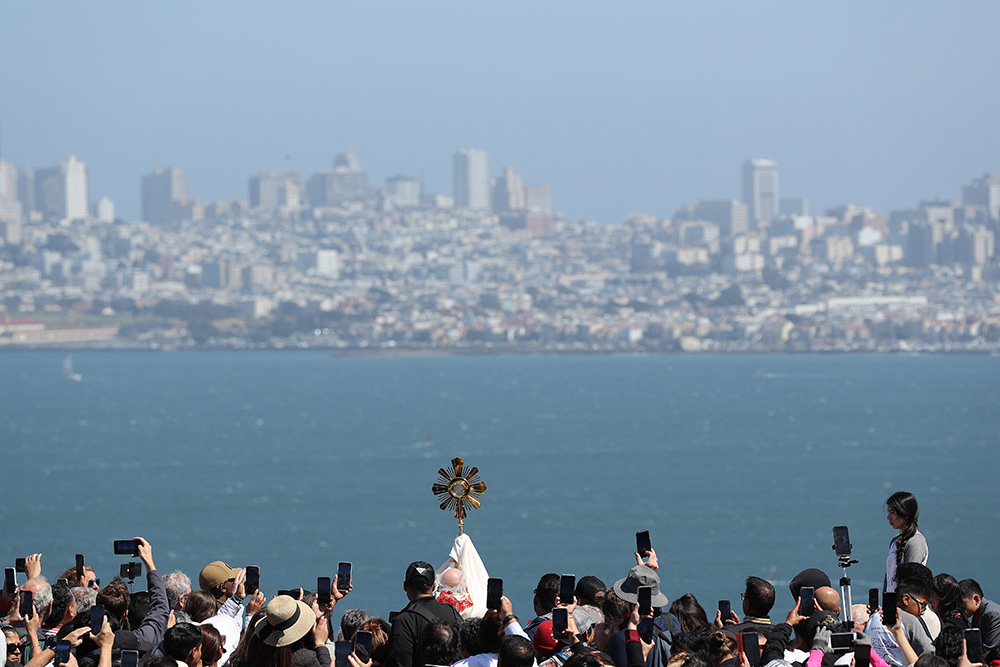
227	622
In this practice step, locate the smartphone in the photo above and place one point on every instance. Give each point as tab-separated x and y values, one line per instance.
974	645
841	642
130	658
79	568
323	592
560	621
567	589
862	655
872	600
96	619
253	579
130	570
20	564
293	593
27	606
807	601
343	649
392	617
127	547
841	541
642	545
889	615
725	609
62	652
645	600
494	591
363	645
751	647
9	580
343	576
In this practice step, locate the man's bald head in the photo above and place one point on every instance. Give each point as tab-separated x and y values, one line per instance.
828	599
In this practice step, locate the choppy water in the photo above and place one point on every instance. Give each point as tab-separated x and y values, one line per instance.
737	465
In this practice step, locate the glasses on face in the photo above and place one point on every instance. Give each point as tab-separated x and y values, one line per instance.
923	605
13	648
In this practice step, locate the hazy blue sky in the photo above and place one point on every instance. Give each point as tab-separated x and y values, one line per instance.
620	106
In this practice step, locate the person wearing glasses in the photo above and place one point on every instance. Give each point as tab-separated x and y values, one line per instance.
909	639
14	652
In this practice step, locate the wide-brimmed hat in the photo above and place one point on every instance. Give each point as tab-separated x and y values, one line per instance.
215	574
640	575
287	620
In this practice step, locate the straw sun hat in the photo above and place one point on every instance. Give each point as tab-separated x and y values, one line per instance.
287	620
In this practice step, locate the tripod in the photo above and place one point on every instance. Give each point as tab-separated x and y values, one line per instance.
845	561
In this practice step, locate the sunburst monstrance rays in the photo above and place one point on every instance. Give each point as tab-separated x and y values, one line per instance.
457	488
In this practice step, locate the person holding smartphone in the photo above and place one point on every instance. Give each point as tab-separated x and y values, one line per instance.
901	638
115	597
909	546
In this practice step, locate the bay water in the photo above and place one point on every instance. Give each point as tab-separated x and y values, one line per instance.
293	461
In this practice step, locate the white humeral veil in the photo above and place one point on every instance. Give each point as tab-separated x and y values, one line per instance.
464	556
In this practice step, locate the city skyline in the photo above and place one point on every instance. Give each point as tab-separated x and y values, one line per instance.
620	110
62	190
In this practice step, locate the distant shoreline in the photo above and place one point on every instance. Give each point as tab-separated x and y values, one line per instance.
502	352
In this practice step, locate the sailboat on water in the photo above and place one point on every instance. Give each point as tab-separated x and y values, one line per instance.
68	369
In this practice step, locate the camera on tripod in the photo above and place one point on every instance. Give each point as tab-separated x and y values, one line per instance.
131	571
842	547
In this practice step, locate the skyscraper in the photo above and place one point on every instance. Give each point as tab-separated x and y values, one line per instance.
164	193
61	191
472	179
984	192
343	184
508	191
270	190
760	189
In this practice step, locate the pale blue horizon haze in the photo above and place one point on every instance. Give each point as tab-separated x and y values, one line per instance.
621	108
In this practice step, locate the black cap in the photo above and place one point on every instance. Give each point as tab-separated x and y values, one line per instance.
419	575
811	578
589	587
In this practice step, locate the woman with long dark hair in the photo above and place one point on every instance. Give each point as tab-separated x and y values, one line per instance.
909	546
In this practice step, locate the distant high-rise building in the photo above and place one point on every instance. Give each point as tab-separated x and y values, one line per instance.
984	192
77	193
730	215
10	207
164	193
794	206
26	188
104	210
760	189
538	198
61	191
472	179
402	191
343	184
508	191
270	190
8	183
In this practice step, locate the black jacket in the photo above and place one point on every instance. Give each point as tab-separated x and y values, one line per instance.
404	639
